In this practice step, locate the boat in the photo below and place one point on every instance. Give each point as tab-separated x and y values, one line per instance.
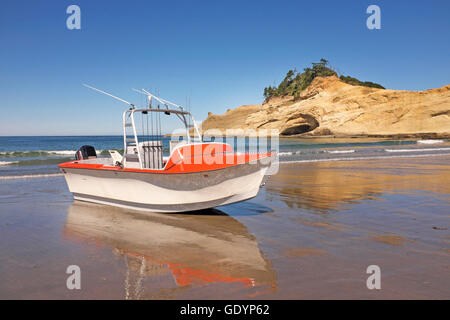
196	175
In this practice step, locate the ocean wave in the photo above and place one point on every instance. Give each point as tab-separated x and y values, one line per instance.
31	176
429	141
47	153
340	151
71	152
6	163
417	150
285	153
304	151
365	158
35	153
35	162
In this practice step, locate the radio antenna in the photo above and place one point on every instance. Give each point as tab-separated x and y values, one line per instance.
109	94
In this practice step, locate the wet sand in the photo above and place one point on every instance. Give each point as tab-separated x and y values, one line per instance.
311	233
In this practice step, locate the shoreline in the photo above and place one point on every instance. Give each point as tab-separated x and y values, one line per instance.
397	136
284	162
31	164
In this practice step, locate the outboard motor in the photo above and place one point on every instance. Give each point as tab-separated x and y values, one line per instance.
85	152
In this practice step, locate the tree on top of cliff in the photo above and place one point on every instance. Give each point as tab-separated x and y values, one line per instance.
294	82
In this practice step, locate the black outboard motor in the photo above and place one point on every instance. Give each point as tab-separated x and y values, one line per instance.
85	152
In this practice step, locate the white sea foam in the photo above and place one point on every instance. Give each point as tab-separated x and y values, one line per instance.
71	152
31	176
417	150
429	141
366	158
285	153
5	163
33	153
340	151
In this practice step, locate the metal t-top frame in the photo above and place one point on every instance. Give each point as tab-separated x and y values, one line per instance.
128	114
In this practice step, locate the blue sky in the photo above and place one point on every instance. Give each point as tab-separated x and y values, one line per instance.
219	53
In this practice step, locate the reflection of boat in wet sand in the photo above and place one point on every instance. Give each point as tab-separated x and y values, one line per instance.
179	250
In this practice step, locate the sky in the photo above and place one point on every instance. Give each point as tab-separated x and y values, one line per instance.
217	54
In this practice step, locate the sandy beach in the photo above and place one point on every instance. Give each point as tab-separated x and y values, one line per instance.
311	233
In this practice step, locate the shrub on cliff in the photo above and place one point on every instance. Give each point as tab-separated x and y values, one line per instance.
356	82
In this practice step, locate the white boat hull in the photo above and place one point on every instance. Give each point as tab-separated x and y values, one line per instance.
166	192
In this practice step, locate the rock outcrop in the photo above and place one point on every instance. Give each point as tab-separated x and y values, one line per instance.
331	107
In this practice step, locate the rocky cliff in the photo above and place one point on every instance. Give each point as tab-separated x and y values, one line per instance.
331	107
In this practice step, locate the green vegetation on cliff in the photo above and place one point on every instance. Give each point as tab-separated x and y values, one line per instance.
356	82
295	82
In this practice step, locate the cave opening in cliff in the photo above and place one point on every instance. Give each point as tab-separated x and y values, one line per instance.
297	130
308	123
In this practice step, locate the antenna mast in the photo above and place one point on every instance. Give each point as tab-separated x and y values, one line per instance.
109	94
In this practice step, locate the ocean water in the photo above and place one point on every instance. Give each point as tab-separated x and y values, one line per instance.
25	157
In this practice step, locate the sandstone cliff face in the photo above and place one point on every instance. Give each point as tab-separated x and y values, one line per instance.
331	107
